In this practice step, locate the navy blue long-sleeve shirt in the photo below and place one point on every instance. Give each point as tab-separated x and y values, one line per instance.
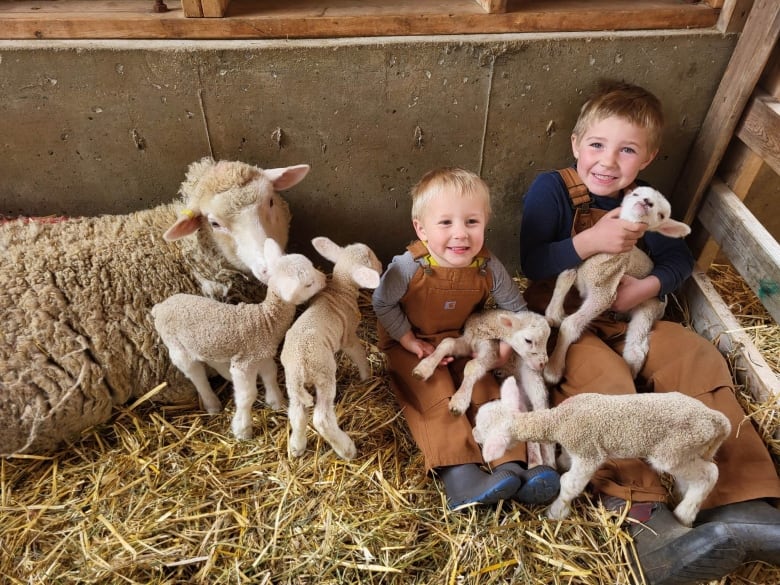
546	247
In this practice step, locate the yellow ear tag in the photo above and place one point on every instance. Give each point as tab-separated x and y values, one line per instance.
188	213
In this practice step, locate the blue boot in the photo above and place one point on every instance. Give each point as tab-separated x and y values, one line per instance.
541	484
468	484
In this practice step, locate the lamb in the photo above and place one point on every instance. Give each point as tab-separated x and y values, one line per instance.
673	432
526	333
78	337
598	278
328	325
238	340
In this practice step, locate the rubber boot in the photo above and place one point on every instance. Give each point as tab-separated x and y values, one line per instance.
755	524
468	484
670	553
541	484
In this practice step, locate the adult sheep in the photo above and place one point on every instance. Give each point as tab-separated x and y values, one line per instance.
77	336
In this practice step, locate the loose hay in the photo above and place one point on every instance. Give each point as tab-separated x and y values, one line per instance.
166	495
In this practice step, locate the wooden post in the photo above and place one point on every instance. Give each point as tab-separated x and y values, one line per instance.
492	6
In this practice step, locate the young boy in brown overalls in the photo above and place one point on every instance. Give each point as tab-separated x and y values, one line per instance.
426	294
571	215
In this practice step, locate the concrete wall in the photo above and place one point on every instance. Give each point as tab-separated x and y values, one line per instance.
102	127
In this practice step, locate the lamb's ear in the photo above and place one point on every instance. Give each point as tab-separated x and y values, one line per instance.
510	394
271	252
285	177
187	223
507	321
365	277
327	248
495	446
673	229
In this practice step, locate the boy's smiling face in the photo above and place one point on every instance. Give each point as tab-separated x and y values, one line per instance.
610	154
453	226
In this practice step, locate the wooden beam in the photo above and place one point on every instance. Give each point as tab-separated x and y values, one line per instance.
760	128
711	318
733	15
742	73
492	6
192	8
214	8
746	242
251	19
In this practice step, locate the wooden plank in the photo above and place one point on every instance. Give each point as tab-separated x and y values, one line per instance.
215	8
249	19
733	15
191	8
748	245
760	128
492	6
743	71
770	80
711	318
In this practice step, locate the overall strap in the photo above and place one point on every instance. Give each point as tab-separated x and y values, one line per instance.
578	192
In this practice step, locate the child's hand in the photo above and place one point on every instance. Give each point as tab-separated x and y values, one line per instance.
418	347
632	291
610	234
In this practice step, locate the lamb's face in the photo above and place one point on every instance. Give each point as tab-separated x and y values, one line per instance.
528	337
646	205
296	279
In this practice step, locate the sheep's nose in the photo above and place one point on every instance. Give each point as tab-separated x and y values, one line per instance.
647	202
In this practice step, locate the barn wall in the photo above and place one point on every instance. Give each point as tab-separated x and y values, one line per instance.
99	127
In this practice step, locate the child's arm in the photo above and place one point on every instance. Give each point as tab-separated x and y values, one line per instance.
610	234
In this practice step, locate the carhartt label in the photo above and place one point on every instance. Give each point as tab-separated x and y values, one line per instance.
449	305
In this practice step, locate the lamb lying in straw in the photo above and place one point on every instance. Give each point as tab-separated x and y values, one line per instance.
673	432
598	278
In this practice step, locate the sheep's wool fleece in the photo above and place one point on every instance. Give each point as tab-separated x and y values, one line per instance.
77	335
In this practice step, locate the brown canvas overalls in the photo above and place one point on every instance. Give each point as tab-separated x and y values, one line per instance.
679	359
437	303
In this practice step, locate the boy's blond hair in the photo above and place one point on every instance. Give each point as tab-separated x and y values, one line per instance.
629	102
460	181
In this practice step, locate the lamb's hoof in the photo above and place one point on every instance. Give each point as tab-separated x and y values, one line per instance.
552	377
420	373
457	407
558	510
296	451
214	411
243	434
348	452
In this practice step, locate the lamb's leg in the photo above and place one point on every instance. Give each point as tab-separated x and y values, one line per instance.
454	346
196	372
355	351
297	415
245	393
486	355
638	333
570	331
532	383
695	480
554	312
326	424
268	373
573	483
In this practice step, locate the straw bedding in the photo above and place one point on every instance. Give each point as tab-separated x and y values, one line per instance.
163	496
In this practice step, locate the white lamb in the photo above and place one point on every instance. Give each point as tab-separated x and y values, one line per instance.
239	341
526	333
597	280
673	432
328	325
77	336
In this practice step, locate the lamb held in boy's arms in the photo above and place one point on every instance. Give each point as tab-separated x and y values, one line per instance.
525	332
239	341
597	280
327	326
75	296
673	432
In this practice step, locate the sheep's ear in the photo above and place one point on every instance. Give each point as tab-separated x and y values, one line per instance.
673	229
285	177
510	394
494	448
506	321
327	248
365	277
271	251
187	224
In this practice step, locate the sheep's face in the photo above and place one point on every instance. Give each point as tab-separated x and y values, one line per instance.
528	334
646	205
236	207
295	278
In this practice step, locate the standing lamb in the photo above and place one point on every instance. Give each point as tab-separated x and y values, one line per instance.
239	341
526	333
328	325
673	432
598	278
75	296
